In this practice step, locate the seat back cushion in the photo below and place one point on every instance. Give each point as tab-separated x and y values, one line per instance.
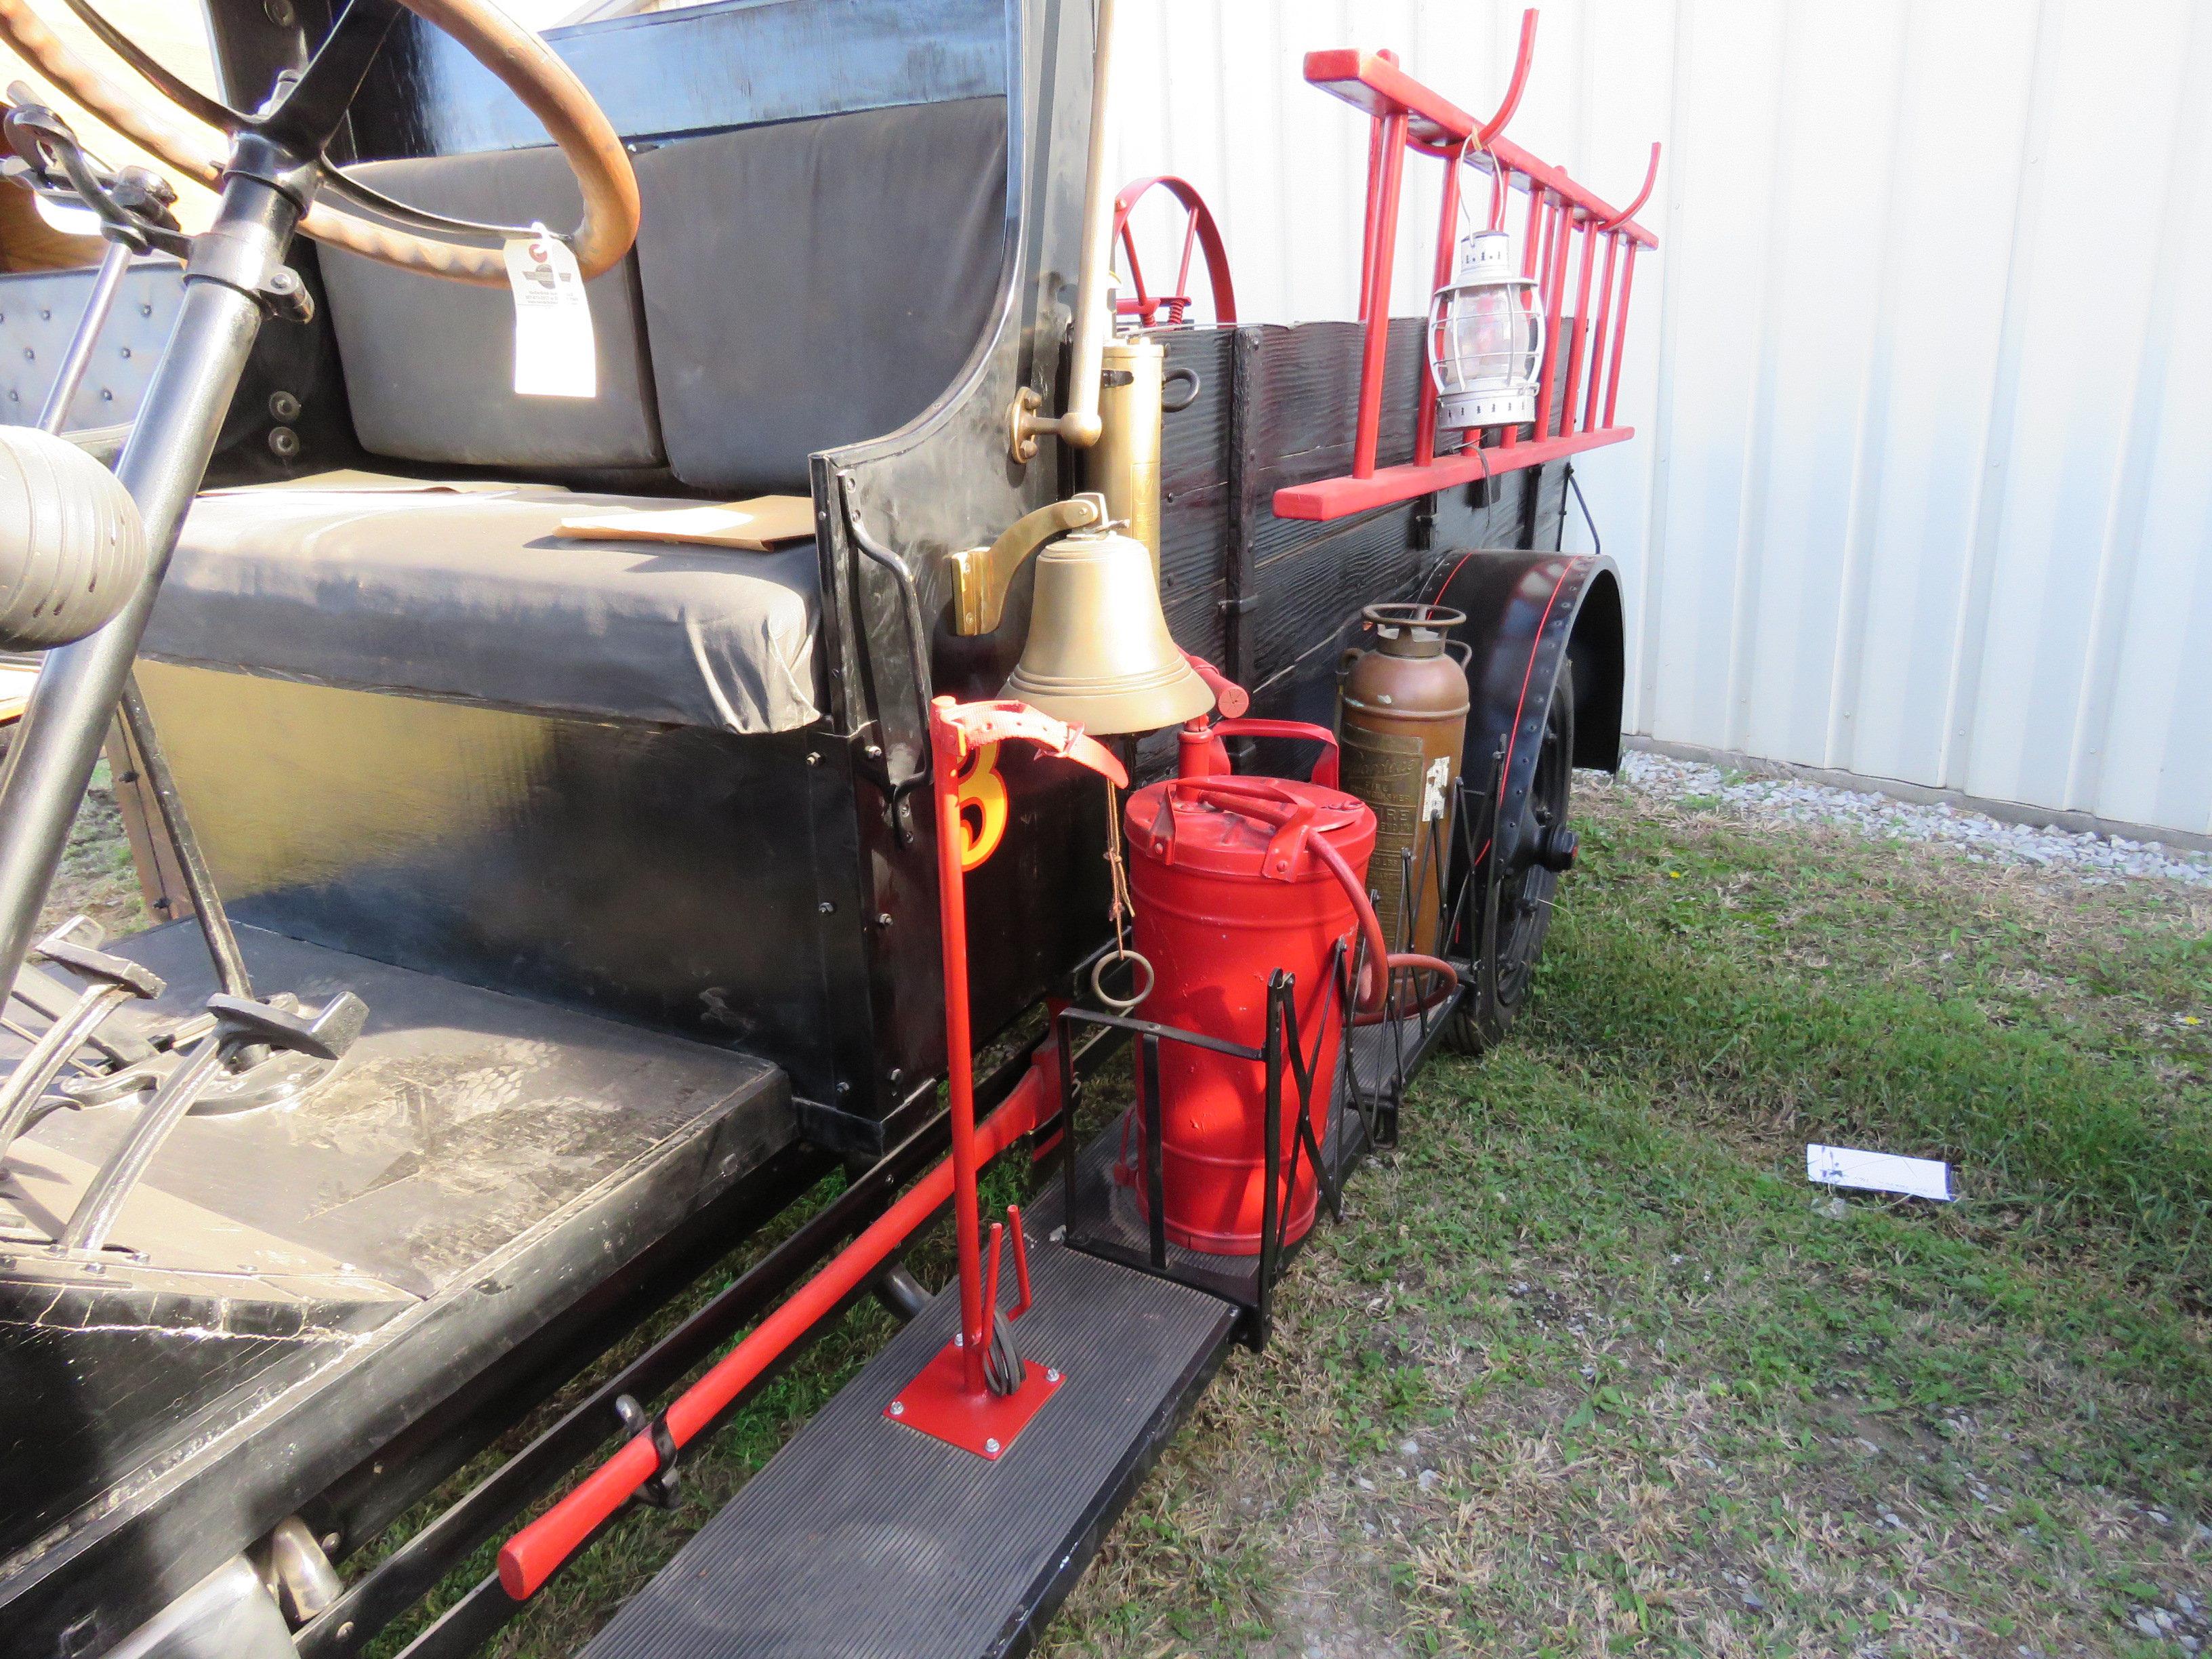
429	364
811	283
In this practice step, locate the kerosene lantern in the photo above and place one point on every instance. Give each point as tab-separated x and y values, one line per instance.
1486	337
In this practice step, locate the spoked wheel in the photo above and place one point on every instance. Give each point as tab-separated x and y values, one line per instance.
1516	898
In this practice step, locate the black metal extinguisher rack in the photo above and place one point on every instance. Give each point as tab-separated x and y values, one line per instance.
1097	1226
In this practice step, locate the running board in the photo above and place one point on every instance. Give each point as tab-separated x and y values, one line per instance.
866	1539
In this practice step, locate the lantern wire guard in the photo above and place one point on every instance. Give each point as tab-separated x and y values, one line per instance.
1486	337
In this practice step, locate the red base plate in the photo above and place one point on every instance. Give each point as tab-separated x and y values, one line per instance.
937	1403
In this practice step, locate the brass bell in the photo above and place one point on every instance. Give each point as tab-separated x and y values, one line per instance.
1099	653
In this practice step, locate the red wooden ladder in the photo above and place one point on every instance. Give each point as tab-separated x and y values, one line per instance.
1407	115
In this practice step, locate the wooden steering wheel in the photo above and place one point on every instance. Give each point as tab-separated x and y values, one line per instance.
193	133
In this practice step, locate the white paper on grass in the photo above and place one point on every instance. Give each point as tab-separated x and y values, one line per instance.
1881	1172
554	355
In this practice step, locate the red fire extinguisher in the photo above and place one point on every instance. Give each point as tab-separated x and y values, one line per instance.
1232	878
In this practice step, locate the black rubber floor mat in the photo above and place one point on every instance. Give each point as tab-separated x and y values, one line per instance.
865	1539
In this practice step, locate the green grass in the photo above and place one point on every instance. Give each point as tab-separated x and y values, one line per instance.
1590	1369
1664	1403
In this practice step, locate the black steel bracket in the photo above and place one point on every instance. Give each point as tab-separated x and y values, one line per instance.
659	1491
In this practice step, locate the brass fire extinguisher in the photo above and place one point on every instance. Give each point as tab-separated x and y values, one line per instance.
1401	720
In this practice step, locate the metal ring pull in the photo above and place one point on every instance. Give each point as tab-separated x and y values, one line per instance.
1119	1005
1187	398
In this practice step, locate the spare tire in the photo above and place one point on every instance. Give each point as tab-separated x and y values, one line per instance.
72	547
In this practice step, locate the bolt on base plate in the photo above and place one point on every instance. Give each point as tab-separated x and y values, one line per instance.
937	1403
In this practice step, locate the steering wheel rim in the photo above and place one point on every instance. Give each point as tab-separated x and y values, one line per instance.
528	68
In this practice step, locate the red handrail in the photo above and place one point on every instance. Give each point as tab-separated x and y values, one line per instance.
538	1550
1200	229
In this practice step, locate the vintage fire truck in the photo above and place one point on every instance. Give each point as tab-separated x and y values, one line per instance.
685	627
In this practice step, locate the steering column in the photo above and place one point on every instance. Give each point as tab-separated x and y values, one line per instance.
273	170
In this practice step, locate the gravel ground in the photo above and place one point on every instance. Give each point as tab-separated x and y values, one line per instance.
1784	799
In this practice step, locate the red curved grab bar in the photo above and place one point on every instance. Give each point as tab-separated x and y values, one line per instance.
1650	178
1201	227
1496	124
1523	55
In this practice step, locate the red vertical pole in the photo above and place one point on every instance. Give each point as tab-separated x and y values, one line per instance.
1619	333
1425	418
1597	334
1555	284
1369	230
1582	323
1374	359
959	1065
1512	435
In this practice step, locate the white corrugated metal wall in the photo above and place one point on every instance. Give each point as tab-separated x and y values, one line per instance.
1922	372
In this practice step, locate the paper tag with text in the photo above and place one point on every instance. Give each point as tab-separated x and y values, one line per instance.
555	356
1433	786
1881	1172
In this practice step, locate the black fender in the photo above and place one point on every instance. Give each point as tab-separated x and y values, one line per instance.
1527	615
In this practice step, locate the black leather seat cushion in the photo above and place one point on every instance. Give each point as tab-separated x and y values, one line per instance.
812	284
429	364
473	595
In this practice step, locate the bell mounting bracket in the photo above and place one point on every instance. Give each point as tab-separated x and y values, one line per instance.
981	575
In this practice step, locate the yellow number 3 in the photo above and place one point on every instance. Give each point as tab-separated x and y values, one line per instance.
982	797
